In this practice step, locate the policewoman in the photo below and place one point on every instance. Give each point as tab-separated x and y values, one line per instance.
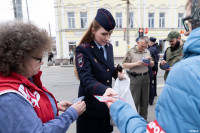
95	67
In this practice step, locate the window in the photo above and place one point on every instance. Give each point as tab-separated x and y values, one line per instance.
180	24
151	20
162	20
131	20
71	20
117	43
161	46
119	20
83	16
72	45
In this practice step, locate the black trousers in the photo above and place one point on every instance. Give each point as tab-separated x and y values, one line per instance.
71	60
93	125
49	59
152	88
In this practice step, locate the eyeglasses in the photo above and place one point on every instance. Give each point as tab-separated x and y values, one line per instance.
186	22
39	59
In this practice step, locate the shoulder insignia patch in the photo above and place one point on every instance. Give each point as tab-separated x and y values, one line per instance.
80	60
85	45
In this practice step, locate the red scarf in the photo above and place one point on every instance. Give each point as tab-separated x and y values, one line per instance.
33	93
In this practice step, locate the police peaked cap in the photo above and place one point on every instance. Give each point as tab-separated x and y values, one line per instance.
105	19
152	39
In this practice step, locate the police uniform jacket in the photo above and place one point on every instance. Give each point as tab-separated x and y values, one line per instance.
95	74
155	55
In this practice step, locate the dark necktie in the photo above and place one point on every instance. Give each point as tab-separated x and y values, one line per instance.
102	51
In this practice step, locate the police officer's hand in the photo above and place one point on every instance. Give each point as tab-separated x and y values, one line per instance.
62	106
139	63
148	57
80	107
121	75
163	62
109	92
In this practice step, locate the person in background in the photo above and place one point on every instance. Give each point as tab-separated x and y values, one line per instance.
174	53
50	56
137	39
138	74
71	56
25	104
154	50
95	68
178	107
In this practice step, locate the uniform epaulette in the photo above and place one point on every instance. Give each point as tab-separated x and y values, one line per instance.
85	45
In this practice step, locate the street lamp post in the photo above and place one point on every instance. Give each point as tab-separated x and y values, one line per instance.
127	24
27	9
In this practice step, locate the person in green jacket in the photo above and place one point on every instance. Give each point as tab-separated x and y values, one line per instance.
173	53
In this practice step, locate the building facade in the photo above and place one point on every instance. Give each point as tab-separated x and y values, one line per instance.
156	17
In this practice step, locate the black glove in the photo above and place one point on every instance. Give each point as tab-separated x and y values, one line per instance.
117	69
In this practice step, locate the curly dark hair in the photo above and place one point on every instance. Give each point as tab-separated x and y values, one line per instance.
18	42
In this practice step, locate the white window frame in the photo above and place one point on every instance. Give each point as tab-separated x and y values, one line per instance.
71	20
83	19
119	20
151	21
162	20
131	21
180	24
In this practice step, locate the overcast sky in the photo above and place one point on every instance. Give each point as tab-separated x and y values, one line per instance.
41	13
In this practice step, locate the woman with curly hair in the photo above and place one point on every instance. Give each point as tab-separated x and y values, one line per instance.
26	105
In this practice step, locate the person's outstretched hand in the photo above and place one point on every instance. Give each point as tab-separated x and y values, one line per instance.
80	107
109	94
62	106
111	100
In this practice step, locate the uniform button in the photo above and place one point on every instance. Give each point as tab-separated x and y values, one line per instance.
107	70
108	81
